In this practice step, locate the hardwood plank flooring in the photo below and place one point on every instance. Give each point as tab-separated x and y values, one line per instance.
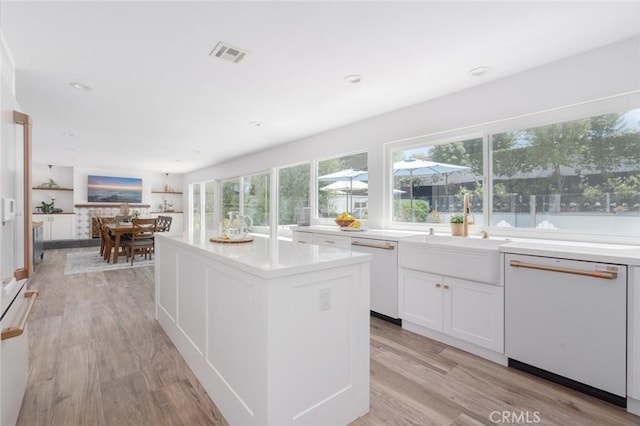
98	357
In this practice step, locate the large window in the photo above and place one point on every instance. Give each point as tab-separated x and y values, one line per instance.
343	186
209	206
429	182
250	196
230	196
293	197
196	207
255	201
581	175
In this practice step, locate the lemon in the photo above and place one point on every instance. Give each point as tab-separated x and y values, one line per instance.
356	224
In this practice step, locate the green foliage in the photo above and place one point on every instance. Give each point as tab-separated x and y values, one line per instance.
626	188
456	218
293	192
404	213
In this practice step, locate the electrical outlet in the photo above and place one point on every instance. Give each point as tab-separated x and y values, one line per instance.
325	299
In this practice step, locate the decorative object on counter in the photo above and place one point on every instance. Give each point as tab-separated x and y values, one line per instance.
135	213
48	208
344	219
457	225
124	209
227	240
50	183
168	206
236	226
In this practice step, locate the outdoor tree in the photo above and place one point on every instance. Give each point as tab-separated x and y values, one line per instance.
556	145
293	192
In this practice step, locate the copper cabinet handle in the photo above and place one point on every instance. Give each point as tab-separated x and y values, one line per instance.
10	332
383	247
594	274
446	287
438	285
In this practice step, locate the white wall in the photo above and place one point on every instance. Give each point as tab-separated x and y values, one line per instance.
600	73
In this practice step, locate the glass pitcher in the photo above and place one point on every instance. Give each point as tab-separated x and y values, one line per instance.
236	226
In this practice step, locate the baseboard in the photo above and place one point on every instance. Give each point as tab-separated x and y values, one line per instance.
633	406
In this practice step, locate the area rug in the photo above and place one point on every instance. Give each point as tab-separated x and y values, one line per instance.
89	261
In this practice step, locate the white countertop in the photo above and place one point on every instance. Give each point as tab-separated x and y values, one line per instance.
265	257
594	252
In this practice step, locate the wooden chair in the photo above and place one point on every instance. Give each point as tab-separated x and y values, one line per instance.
109	243
163	224
103	242
141	238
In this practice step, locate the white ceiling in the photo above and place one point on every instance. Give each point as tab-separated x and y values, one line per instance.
161	103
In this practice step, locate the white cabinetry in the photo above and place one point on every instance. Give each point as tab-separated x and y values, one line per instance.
57	226
464	309
14	362
328	240
303	237
633	344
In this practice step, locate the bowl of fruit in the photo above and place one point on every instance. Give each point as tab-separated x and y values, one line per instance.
345	219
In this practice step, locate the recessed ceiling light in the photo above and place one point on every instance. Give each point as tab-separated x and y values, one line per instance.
353	78
70	149
479	71
255	124
79	86
196	151
67	134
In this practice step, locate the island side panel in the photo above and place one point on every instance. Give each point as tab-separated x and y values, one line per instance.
217	321
319	347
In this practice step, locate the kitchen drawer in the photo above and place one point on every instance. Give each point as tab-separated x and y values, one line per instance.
328	240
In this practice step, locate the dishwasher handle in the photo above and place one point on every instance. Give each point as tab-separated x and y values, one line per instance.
376	246
594	274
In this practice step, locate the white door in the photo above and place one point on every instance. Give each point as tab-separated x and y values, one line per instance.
474	312
420	298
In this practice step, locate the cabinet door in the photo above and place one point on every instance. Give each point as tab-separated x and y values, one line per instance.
302	237
332	241
474	312
420	298
62	227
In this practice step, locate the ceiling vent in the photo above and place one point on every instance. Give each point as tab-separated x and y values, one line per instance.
228	52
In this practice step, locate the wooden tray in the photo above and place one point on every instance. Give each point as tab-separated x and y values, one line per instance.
230	241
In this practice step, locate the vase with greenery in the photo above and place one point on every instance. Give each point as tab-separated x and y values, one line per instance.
457	224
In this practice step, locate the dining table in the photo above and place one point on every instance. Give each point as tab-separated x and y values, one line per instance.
117	230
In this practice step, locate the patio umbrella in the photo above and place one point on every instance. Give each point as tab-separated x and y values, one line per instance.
346	175
345	187
413	167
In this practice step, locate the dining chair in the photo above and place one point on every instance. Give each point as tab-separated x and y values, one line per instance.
141	238
163	224
103	242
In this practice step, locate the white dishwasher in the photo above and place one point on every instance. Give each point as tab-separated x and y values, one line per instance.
384	275
568	318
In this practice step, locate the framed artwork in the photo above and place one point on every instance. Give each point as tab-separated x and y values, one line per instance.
109	189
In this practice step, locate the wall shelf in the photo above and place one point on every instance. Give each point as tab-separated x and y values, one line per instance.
51	189
165	192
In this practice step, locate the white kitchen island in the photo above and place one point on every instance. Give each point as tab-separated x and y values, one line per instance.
276	332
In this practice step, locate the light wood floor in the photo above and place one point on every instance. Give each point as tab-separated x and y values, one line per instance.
98	357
